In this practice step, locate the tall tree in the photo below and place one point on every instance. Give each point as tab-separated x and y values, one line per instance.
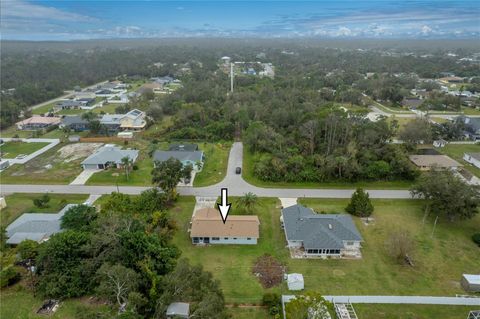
167	175
127	165
446	194
117	282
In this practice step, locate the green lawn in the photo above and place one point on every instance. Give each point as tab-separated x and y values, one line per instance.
412	311
44	109
216	160
19	303
470	111
12	149
17	204
248	313
106	108
247	174
439	261
12	131
456	152
63	171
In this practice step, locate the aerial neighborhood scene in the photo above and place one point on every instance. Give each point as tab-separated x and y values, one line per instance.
240	159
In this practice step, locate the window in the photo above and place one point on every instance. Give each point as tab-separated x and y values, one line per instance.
215	238
234	238
248	238
225	238
195	240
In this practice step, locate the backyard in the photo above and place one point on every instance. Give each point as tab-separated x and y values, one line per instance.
382	311
12	149
59	165
456	152
439	261
17	204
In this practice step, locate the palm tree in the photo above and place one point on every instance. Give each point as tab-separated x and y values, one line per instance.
126	163
248	201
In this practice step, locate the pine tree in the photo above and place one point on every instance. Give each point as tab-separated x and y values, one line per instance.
360	204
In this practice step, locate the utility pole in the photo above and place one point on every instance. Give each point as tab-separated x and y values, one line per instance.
231	77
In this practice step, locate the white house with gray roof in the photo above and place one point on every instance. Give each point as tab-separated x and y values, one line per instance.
320	235
108	156
35	226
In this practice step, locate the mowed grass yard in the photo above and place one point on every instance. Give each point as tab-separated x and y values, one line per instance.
18	302
12	149
215	166
383	311
456	152
249	160
17	204
65	167
439	261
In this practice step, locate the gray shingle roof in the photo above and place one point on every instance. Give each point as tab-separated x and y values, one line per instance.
110	154
183	147
318	231
194	156
35	226
74	119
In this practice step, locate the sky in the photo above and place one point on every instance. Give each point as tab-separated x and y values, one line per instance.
74	20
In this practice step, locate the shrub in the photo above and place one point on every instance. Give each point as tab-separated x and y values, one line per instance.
360	204
9	276
476	238
42	201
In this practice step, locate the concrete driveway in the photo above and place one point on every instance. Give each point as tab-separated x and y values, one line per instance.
83	177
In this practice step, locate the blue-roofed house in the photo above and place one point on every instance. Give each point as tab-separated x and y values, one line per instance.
193	158
320	235
108	156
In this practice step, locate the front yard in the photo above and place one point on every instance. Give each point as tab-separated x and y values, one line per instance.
439	261
215	166
12	149
383	311
59	165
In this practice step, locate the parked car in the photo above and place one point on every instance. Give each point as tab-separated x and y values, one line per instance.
238	170
21	156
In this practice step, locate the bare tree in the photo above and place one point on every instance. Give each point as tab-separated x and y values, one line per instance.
401	245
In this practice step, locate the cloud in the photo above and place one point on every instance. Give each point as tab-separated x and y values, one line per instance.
19	9
426	30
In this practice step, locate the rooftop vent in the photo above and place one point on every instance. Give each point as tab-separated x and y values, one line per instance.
330	226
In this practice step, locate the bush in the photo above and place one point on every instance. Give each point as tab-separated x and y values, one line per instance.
42	201
9	276
135	167
476	239
272	302
360	204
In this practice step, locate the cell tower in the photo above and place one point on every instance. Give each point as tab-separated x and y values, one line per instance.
231	77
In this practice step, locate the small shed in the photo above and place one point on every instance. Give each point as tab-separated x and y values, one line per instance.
3	203
125	134
470	283
178	310
295	282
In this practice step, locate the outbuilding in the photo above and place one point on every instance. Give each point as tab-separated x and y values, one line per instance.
470	283
178	310
295	281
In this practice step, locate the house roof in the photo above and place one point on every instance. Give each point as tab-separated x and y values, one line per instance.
162	156
183	147
135	114
474	155
178	309
207	222
70	103
442	161
40	120
110	153
472	279
73	119
35	226
318	231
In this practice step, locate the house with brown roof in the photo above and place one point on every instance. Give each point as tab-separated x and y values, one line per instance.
207	227
427	162
38	122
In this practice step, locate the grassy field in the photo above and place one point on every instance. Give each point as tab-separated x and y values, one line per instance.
12	149
439	261
17	302
44	109
63	171
247	174
470	111
456	152
12	131
412	311
17	204
248	313
216	160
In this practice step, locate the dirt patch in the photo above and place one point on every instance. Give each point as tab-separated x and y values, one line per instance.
76	151
269	271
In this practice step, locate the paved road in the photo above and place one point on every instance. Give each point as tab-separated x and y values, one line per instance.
236	185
